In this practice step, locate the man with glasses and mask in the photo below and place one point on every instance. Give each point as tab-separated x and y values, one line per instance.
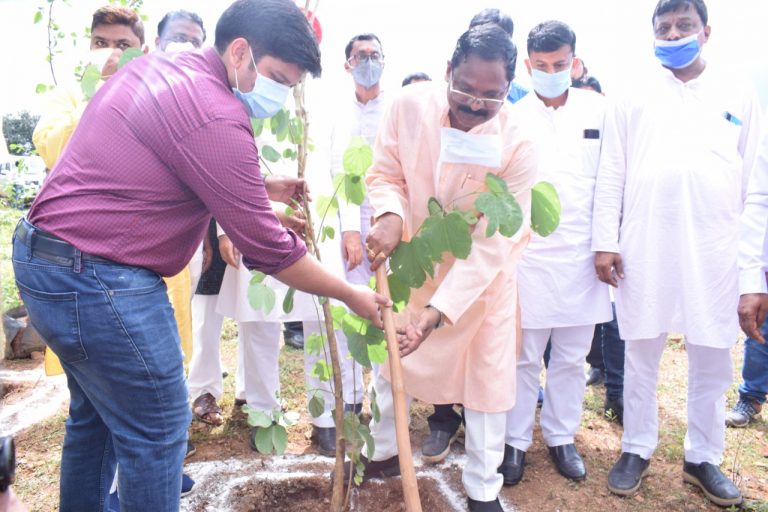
440	142
180	30
358	118
675	162
560	296
165	143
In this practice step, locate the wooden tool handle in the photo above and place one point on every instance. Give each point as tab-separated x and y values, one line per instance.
407	472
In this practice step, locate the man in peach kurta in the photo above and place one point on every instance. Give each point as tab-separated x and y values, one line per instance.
440	141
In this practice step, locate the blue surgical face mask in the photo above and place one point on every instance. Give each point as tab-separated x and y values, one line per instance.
267	97
678	54
368	72
550	85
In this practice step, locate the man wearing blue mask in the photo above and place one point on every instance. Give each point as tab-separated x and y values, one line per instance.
560	296
162	146
676	158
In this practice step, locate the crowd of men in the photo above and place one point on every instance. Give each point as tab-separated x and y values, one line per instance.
158	175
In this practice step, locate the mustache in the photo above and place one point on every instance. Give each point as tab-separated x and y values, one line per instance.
479	113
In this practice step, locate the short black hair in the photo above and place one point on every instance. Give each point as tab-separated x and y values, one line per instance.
588	81
361	37
114	15
416	77
491	15
489	42
665	6
550	36
272	27
181	14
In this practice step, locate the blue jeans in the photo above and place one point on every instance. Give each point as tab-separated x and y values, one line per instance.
755	370
113	329
613	357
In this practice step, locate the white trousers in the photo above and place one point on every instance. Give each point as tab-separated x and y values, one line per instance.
259	350
351	379
484	443
205	366
709	375
564	392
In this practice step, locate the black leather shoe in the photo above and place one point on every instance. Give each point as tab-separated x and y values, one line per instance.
437	446
484	506
514	464
294	339
356	408
568	461
595	376
325	437
708	477
627	474
374	468
613	410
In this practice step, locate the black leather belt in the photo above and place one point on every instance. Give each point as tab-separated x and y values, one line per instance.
51	248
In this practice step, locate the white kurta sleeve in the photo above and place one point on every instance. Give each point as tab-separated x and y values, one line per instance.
468	279
611	177
349	213
749	139
753	241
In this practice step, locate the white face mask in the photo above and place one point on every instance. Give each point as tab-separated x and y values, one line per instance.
176	47
458	147
100	57
550	85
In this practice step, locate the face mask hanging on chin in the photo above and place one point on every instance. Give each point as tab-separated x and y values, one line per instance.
267	97
176	47
458	147
678	54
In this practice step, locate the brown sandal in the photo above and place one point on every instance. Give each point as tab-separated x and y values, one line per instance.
207	410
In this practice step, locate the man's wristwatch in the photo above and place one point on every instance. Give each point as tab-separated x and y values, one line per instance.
439	323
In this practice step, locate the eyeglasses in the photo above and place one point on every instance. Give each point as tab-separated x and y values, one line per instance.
182	38
363	57
468	99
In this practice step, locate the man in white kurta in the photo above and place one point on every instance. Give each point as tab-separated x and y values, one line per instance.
674	166
560	296
439	141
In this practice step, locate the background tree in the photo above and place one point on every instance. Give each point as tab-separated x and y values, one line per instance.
18	129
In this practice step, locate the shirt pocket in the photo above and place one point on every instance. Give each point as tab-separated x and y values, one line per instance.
465	185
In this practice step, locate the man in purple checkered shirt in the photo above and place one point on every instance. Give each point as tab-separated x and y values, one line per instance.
163	145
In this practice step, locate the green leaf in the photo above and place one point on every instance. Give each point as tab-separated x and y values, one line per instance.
313	344
434	207
338	313
359	472
279	438
410	262
90	80
361	336
289	211
326	206
496	185
296	131
128	55
257	125
370	445
269	153
280	123
258	418
257	277
358	157
317	405
399	292
38	17
288	300
261	296
41	88
378	353
289	153
375	411
545	208
321	371
329	232
502	212
447	234
354	189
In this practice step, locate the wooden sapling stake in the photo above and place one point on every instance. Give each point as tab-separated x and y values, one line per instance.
407	472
